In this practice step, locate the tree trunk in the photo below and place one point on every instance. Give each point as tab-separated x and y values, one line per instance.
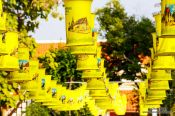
4	111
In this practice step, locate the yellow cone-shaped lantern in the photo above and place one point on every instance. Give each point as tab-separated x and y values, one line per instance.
154	37
164	63
160	75
33	68
84	50
166	47
153	102
0	6
93	73
23	56
8	63
78	22
96	84
26	76
30	86
158	20
156	93
159	85
3	22
3	47
87	62
167	8
11	41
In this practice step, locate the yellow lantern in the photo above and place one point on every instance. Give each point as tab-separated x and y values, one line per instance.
166	47
0	6
104	103
23	56
159	85
152	52
3	22
41	71
84	50
11	41
43	96
8	63
156	93
93	73
3	47
153	102
154	37
160	75
152	105
95	84
158	19
143	109
98	93
168	17
163	6
99	51
26	76
78	22
142	89
16	76
119	104
113	89
30	86
52	103
164	63
87	62
44	82
47	92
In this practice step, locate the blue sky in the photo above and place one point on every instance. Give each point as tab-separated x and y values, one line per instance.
54	30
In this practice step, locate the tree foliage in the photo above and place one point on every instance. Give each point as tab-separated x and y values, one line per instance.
61	64
9	92
127	38
23	17
24	14
36	109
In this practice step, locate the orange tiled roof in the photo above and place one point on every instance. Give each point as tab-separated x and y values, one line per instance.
42	48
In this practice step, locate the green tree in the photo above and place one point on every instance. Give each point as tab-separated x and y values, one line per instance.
126	39
36	109
24	14
9	94
61	64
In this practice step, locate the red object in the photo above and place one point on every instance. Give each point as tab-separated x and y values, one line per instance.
167	10
107	58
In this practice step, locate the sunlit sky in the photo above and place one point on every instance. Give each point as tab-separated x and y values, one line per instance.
53	30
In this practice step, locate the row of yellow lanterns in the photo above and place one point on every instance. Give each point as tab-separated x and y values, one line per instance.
41	88
30	78
153	89
8	45
2	19
82	41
